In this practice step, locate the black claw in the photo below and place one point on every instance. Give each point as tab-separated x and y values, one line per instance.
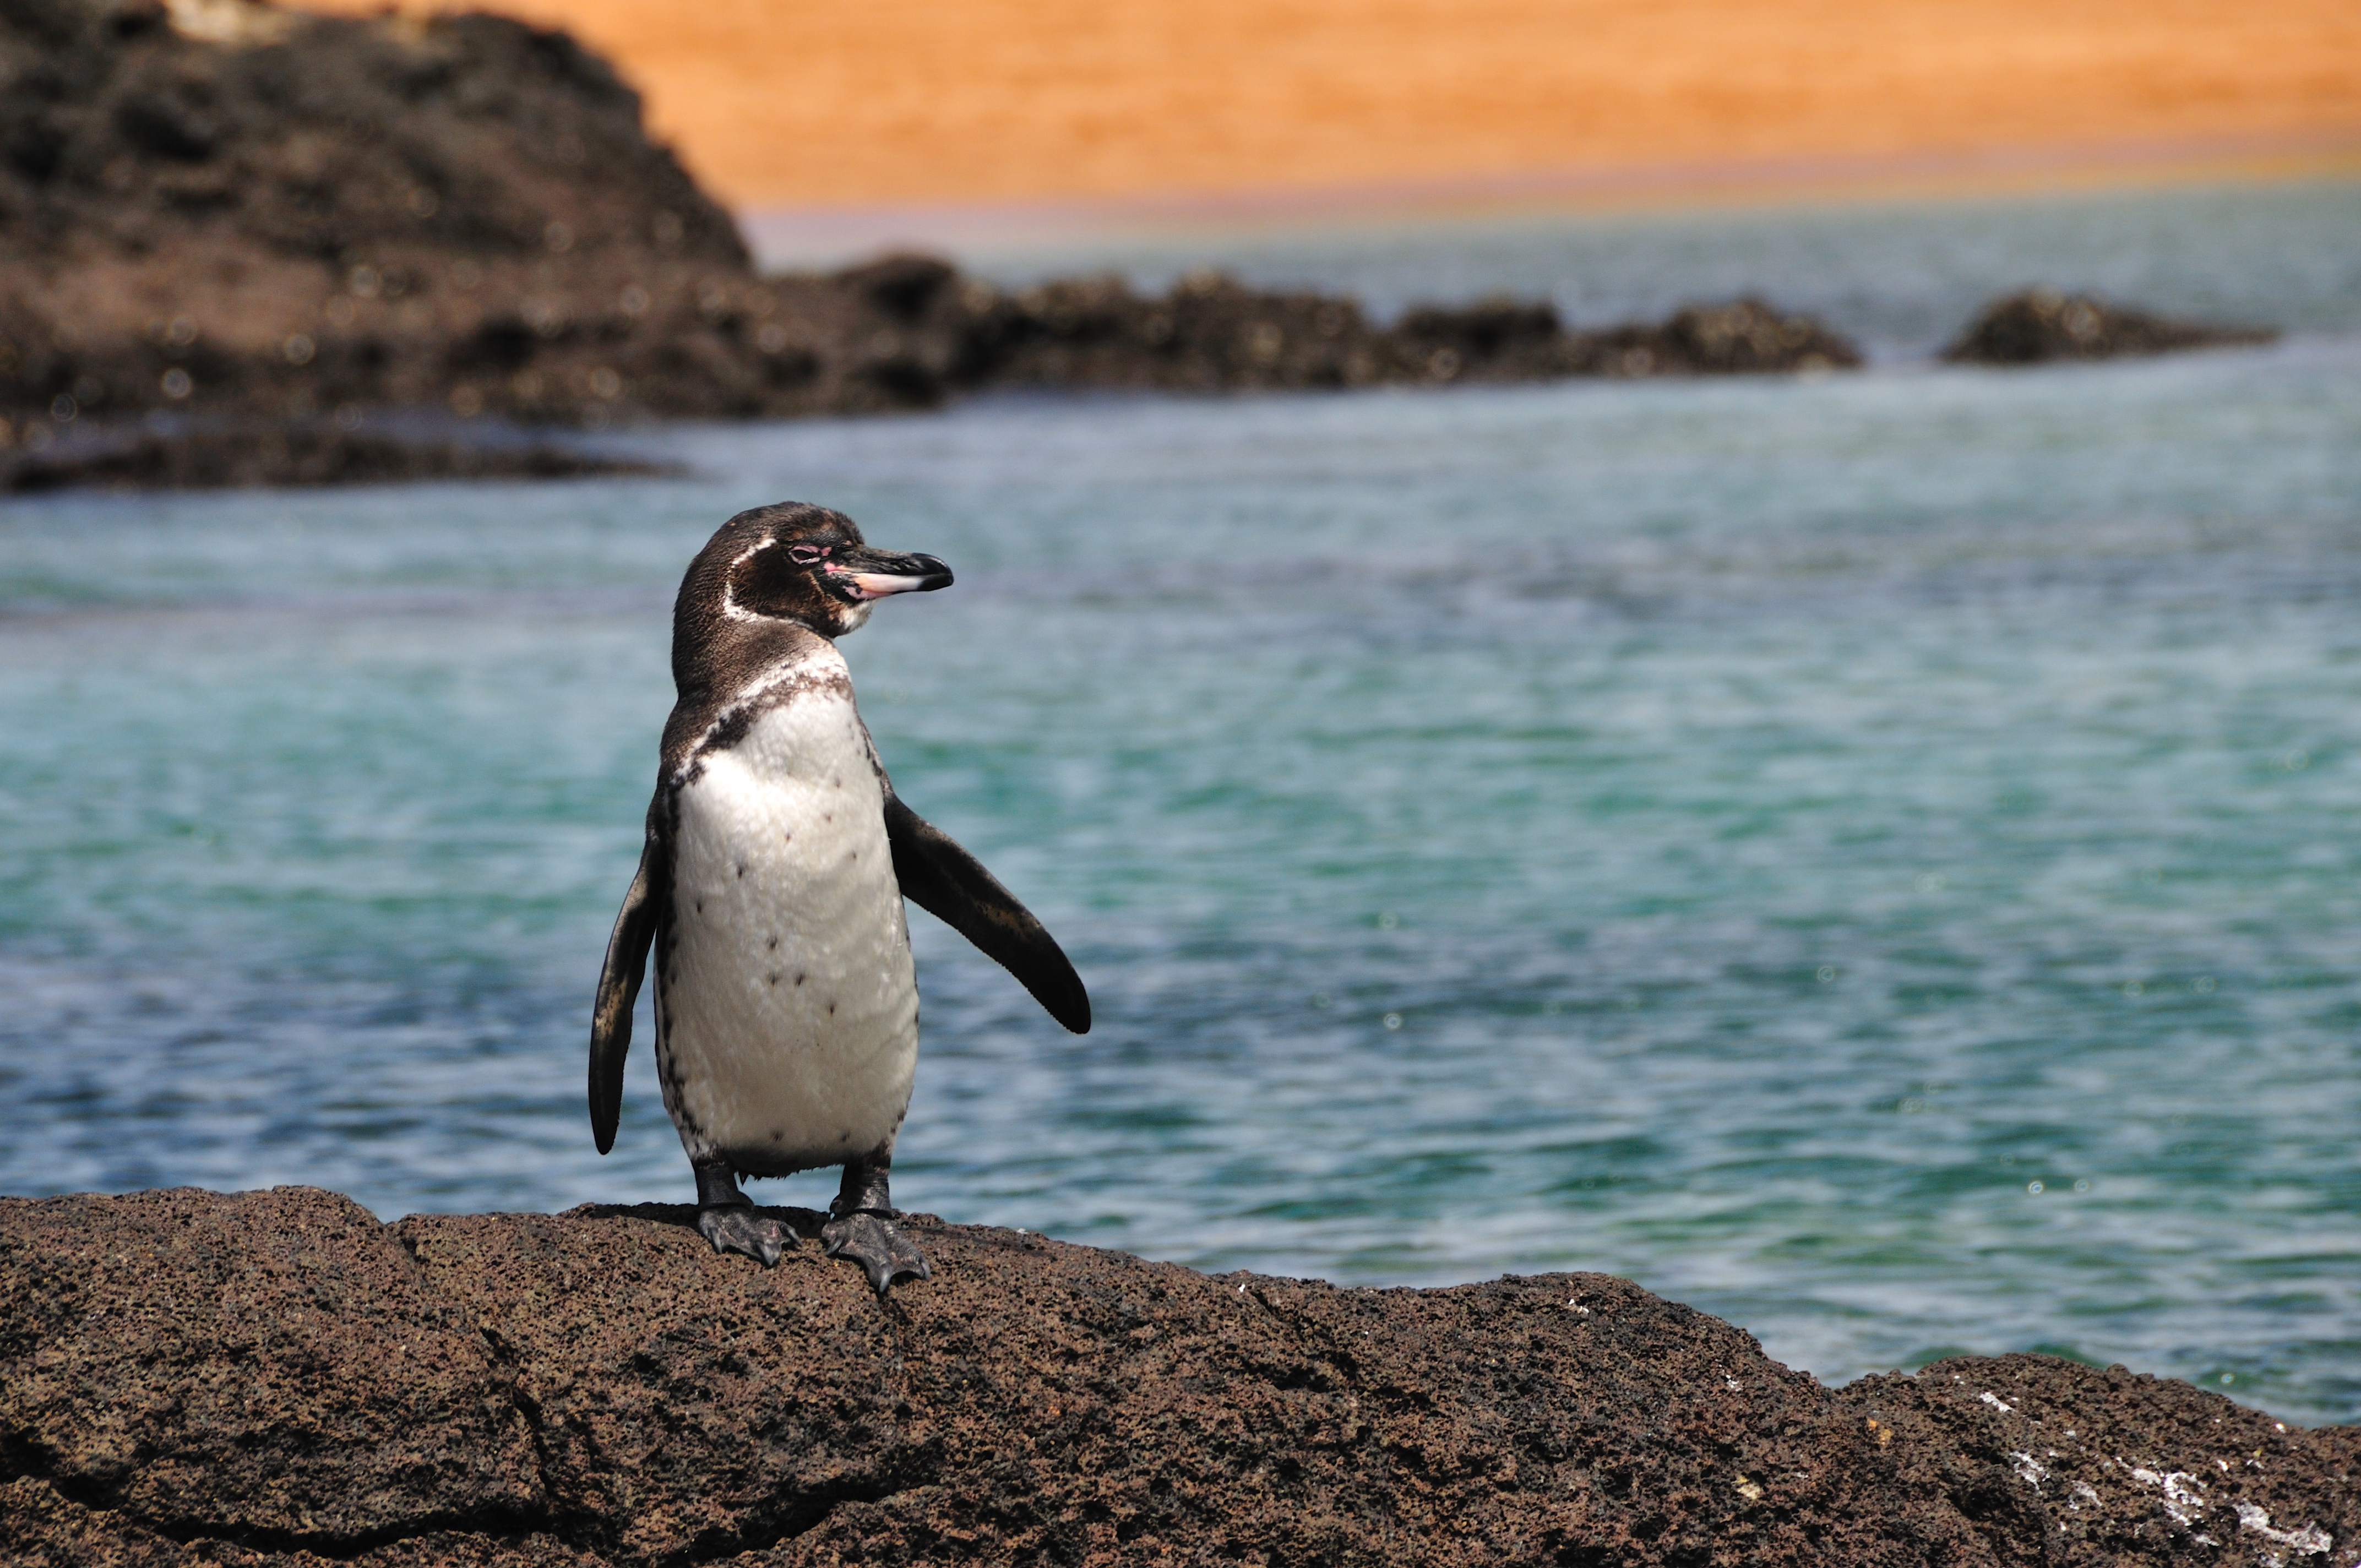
738	1229
877	1243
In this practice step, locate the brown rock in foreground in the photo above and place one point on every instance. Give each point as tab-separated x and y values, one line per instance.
2042	325
193	1377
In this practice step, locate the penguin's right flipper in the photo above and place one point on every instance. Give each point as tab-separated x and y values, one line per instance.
619	988
950	884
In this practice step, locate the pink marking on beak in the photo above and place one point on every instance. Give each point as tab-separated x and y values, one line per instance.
879	585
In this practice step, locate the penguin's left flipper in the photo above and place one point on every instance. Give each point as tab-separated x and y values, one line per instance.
618	982
950	884
873	1241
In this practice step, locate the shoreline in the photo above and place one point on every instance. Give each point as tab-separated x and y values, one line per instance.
910	334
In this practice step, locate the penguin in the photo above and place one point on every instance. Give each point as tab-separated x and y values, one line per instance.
770	890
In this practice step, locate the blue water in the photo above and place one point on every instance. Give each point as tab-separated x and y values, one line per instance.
1872	858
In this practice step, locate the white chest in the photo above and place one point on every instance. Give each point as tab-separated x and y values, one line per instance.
788	1004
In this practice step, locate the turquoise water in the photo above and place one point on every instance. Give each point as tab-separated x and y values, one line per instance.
1872	858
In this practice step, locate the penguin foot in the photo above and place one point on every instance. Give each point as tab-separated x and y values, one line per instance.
737	1228
871	1238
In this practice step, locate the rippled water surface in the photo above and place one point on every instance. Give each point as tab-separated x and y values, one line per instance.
1874	859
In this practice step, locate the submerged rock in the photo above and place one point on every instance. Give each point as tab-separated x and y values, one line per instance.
273	1376
293	453
2042	325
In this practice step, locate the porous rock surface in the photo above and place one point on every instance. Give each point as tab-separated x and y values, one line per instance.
188	1376
2040	325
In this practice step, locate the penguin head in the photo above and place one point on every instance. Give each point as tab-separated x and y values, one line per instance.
802	563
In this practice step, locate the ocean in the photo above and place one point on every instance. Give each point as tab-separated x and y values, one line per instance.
1871	857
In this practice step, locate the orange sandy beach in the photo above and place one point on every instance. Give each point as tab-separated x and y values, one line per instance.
796	103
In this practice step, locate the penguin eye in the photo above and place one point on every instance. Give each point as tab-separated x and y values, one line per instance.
805	555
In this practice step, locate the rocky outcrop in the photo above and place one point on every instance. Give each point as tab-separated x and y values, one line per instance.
275	1377
1211	333
223	208
231	210
2041	325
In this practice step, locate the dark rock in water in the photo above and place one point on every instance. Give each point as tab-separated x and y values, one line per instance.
1494	339
1745	337
274	1377
1505	340
296	454
2042	323
1750	338
1211	333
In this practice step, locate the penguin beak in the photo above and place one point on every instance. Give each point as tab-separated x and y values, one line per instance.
861	575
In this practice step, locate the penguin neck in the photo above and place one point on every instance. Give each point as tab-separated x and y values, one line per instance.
728	666
712	663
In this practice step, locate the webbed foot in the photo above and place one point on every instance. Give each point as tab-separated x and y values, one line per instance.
738	1228
871	1238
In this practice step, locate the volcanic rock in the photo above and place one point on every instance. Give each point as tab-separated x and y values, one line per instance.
274	1377
1209	332
1508	340
1212	333
228	209
223	206
2042	323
